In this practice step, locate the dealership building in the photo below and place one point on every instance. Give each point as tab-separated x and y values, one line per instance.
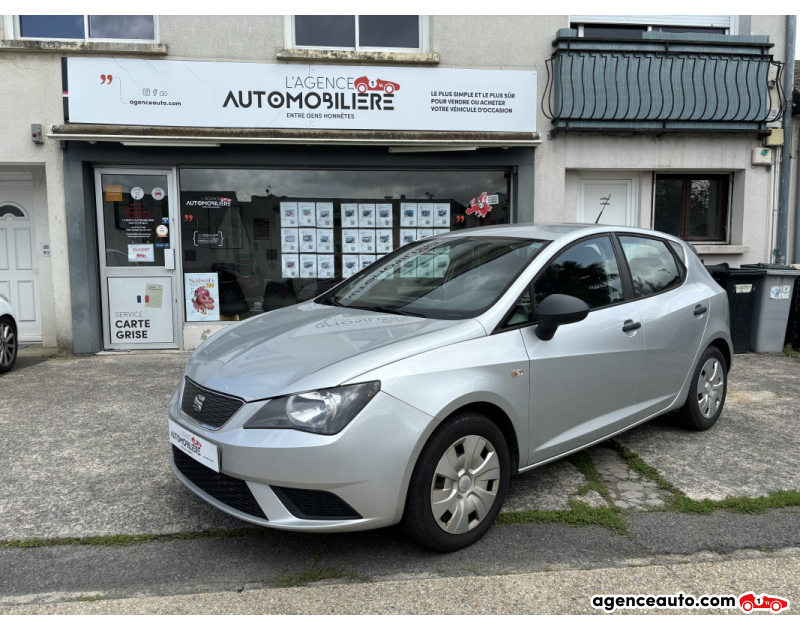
157	185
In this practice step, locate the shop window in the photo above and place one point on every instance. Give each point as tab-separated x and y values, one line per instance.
87	27
692	206
273	238
360	32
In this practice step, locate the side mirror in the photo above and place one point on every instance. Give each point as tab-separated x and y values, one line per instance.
556	310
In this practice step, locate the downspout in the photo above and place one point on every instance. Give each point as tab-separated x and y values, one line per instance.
786	163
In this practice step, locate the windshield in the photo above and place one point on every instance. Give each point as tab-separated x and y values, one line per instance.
439	278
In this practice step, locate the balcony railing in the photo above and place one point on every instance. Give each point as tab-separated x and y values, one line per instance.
663	82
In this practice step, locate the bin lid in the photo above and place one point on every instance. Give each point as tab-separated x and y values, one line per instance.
723	270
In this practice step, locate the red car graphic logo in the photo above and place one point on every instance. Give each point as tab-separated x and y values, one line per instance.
197	443
481	207
749	602
375	85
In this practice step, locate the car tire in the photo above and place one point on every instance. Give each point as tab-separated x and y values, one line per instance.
707	391
446	512
6	327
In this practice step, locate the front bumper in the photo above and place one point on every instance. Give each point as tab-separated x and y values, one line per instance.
368	464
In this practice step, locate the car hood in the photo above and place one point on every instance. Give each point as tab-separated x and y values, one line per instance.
310	346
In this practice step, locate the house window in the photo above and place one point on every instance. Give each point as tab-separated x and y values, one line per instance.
87	27
406	33
692	206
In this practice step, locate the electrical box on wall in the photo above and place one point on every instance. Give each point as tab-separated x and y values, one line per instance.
775	138
36	134
762	156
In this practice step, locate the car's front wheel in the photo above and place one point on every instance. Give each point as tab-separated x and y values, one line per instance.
707	392
8	345
459	483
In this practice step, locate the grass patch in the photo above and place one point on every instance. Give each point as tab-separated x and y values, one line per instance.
791	352
584	463
581	515
644	469
128	540
316	574
739	505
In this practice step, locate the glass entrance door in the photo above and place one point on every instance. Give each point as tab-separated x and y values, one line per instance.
139	283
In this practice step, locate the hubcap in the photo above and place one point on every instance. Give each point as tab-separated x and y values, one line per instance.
464	485
710	385
8	345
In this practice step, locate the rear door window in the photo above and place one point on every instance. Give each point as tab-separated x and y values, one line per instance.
652	265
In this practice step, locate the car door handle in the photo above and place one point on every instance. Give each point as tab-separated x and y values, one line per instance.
630	327
700	309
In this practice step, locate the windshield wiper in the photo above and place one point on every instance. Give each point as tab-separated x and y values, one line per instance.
393	311
332	301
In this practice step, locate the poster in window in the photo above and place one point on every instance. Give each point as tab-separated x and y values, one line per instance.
407	236
261	229
366	241
349	265
441	214
366	215
289	266
425	215
349	215
365	260
441	261
424	233
289	238
308	265
409	269
202	297
325	266
289	214
324	241
383	244
324	214
408	215
307	211
308	239
350	241
425	266
383	217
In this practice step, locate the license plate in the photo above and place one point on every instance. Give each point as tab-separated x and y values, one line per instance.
194	446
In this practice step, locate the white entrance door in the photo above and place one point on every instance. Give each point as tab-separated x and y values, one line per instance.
611	198
137	233
19	264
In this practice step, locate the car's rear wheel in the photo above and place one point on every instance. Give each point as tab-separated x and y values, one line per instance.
459	483
707	391
8	345
776	606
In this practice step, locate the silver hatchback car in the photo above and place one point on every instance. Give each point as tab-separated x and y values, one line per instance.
412	391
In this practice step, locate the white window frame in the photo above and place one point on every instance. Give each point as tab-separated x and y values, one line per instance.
729	22
424	38
12	30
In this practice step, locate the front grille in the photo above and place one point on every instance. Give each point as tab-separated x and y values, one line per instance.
216	409
231	491
314	504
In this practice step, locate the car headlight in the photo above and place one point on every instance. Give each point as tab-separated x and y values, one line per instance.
324	411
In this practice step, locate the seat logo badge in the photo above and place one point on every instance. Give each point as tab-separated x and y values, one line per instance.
516	373
198	402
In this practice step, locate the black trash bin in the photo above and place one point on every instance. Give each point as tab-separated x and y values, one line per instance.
741	286
793	327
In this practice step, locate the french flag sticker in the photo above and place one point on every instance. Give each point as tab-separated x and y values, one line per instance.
146	299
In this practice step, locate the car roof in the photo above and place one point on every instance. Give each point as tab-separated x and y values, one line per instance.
553	231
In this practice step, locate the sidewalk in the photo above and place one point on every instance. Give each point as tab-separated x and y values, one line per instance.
565	592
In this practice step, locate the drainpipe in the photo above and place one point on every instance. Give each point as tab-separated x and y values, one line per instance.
786	163
797	207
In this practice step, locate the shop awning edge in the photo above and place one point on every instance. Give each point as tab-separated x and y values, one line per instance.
215	135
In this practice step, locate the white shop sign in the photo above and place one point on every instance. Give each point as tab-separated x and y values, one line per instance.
224	94
140	310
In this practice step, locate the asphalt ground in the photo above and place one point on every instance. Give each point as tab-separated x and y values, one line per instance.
86	454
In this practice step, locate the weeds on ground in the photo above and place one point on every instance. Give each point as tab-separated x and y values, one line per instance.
316	573
583	462
581	515
791	352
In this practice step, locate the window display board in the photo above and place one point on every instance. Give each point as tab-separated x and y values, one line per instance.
202	297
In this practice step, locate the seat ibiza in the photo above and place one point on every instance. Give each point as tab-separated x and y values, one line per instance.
412	391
